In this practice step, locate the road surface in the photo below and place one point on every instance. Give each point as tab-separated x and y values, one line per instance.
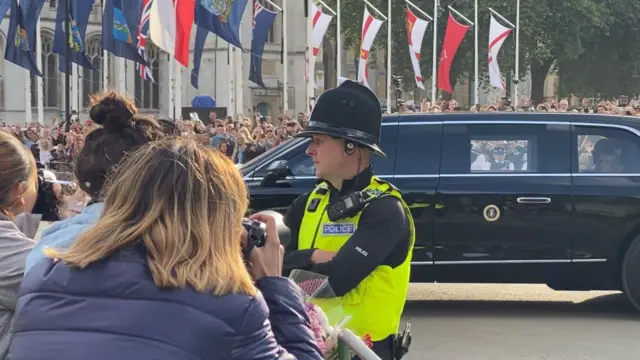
512	322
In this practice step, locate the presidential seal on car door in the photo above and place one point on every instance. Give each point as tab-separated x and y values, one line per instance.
491	213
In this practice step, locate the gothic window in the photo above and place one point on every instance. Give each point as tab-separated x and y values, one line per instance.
92	79
50	75
147	91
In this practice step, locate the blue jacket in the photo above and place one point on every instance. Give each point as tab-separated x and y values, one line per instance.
62	234
113	310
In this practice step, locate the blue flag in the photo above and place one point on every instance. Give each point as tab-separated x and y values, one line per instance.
221	17
80	11
120	22
198	49
262	21
21	37
4	7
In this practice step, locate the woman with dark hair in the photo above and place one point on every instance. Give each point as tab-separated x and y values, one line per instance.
122	131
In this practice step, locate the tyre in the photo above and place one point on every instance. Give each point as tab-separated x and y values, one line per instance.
631	273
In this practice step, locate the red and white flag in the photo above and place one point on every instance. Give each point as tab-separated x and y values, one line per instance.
170	24
452	38
416	28
497	35
321	23
370	28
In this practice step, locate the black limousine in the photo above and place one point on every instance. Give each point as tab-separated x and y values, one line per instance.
500	197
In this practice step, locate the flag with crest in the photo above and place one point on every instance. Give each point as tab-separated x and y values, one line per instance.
80	12
262	21
221	17
119	17
21	36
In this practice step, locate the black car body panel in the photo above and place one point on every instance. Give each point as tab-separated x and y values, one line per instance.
558	220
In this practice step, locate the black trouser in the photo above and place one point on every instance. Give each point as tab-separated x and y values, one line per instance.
382	348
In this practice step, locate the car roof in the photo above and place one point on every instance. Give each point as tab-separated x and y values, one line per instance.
515	116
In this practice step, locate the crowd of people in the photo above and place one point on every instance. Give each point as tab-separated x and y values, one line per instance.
624	108
243	138
56	146
154	266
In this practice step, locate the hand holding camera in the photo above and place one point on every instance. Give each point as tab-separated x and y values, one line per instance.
262	243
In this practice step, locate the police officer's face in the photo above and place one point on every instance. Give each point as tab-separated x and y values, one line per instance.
327	154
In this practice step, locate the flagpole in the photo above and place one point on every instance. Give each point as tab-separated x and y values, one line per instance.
74	87
171	60
27	97
285	59
338	42
39	82
388	56
105	62
310	88
122	86
517	80
238	80
434	90
67	59
230	78
475	65
177	94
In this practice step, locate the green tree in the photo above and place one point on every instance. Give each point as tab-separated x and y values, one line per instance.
610	65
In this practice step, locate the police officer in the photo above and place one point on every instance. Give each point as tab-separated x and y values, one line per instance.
499	163
353	227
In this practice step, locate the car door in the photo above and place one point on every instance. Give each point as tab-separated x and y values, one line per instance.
416	175
606	192
504	187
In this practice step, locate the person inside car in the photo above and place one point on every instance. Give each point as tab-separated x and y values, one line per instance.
606	157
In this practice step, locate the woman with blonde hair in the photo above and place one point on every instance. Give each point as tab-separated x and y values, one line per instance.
162	275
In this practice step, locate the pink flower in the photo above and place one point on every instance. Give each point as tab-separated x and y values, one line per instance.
316	325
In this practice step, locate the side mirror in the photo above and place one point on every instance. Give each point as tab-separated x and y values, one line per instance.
277	170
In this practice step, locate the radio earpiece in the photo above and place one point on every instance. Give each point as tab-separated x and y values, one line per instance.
349	147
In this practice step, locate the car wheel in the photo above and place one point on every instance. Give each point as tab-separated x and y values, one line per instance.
631	273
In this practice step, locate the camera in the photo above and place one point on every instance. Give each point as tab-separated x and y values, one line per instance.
256	233
47	202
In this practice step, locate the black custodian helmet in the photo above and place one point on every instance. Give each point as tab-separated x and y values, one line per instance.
351	112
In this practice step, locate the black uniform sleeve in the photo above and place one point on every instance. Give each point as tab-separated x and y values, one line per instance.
382	238
294	258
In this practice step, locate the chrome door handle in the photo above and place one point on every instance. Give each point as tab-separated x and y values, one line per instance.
534	200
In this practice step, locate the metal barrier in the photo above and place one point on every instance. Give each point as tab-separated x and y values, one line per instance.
349	342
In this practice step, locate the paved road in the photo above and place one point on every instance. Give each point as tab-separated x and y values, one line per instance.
513	322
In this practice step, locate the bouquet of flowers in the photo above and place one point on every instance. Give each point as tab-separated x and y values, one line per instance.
315	288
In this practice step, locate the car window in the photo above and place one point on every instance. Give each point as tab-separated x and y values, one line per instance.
505	148
265	155
418	149
299	162
606	150
388	137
